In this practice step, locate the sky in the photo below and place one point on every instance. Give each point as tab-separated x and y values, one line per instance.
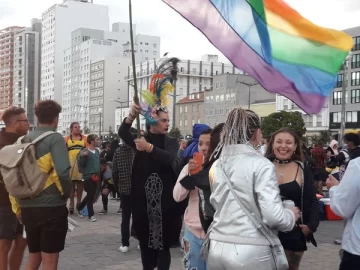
178	37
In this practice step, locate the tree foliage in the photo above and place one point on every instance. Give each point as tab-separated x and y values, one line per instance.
283	119
175	133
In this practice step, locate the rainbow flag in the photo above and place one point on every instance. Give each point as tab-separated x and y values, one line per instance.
286	53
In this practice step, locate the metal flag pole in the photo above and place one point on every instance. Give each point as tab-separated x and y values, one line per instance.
136	95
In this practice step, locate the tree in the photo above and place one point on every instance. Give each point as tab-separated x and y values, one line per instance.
175	133
283	119
86	130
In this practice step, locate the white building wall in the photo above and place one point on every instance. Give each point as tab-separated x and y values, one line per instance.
58	22
314	123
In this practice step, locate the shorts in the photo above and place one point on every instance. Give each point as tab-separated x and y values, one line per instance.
10	227
320	174
46	228
294	240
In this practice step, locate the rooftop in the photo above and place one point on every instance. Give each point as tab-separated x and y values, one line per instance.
194	97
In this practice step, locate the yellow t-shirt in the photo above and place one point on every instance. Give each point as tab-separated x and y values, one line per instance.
74	147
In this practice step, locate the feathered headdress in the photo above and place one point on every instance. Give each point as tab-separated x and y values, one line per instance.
154	99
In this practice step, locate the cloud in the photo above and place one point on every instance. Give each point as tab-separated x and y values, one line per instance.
5	10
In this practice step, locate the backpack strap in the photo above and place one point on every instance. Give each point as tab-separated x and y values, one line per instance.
42	136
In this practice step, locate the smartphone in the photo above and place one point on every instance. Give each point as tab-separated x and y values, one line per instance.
199	158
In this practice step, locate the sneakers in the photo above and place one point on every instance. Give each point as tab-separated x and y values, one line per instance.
119	212
338	241
79	212
103	212
124	249
92	219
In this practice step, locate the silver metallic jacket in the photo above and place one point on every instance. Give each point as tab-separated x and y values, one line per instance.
254	181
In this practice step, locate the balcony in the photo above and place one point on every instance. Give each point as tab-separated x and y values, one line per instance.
181	72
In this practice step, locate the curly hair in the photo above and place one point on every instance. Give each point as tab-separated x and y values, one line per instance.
9	114
47	110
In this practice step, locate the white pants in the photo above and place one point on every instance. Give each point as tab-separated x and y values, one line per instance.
225	256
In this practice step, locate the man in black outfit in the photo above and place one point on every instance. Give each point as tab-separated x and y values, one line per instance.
156	216
122	167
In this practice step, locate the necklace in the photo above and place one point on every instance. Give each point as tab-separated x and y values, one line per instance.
282	161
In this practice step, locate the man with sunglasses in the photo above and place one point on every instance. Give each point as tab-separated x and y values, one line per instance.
12	244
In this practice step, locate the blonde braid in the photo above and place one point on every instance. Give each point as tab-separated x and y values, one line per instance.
239	127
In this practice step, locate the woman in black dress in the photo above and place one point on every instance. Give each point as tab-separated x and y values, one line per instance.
296	184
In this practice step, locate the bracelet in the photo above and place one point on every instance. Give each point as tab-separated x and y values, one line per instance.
151	147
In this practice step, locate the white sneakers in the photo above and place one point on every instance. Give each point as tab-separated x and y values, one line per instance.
124	249
92	219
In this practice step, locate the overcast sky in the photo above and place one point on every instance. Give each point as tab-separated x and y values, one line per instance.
178	37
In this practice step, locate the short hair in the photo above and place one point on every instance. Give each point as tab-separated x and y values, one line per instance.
352	137
91	137
47	110
9	113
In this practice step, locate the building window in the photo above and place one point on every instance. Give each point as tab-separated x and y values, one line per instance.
193	108
186	109
351	117
356	43
180	123
194	80
337	97
198	121
355	96
339	81
180	109
337	117
355	61
192	122
185	124
355	78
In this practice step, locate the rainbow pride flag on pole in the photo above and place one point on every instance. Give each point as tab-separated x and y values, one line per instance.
286	53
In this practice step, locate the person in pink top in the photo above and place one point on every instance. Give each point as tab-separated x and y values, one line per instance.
194	233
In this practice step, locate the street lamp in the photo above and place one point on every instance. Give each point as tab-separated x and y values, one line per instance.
100	112
121	104
343	99
249	85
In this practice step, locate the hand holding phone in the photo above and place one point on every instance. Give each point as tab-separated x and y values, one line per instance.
195	164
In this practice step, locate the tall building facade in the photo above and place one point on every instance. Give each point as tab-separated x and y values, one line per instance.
88	46
107	92
351	77
230	91
7	39
58	22
26	85
193	76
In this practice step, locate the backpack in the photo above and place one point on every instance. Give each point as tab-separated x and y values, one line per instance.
21	174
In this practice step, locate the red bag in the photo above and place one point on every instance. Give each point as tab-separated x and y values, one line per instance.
95	178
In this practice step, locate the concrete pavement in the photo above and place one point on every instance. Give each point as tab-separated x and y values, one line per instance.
93	246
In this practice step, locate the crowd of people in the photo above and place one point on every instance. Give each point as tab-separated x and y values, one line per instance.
244	202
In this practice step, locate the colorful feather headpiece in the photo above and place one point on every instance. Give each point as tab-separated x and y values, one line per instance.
154	99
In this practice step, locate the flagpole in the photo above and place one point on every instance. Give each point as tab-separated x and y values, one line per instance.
136	95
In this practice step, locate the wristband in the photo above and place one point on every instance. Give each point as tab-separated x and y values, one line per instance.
151	147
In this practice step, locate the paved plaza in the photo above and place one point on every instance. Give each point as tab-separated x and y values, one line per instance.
93	246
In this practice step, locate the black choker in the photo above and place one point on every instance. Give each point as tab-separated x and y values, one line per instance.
282	161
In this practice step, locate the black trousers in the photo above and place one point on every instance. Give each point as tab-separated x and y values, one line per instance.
159	259
90	188
126	217
350	261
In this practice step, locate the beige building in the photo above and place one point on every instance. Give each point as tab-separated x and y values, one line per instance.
189	111
264	107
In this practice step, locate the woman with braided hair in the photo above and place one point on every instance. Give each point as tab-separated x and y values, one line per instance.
241	175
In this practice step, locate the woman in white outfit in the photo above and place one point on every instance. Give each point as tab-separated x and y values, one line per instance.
235	243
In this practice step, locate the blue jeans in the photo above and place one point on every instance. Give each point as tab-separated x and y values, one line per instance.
192	245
